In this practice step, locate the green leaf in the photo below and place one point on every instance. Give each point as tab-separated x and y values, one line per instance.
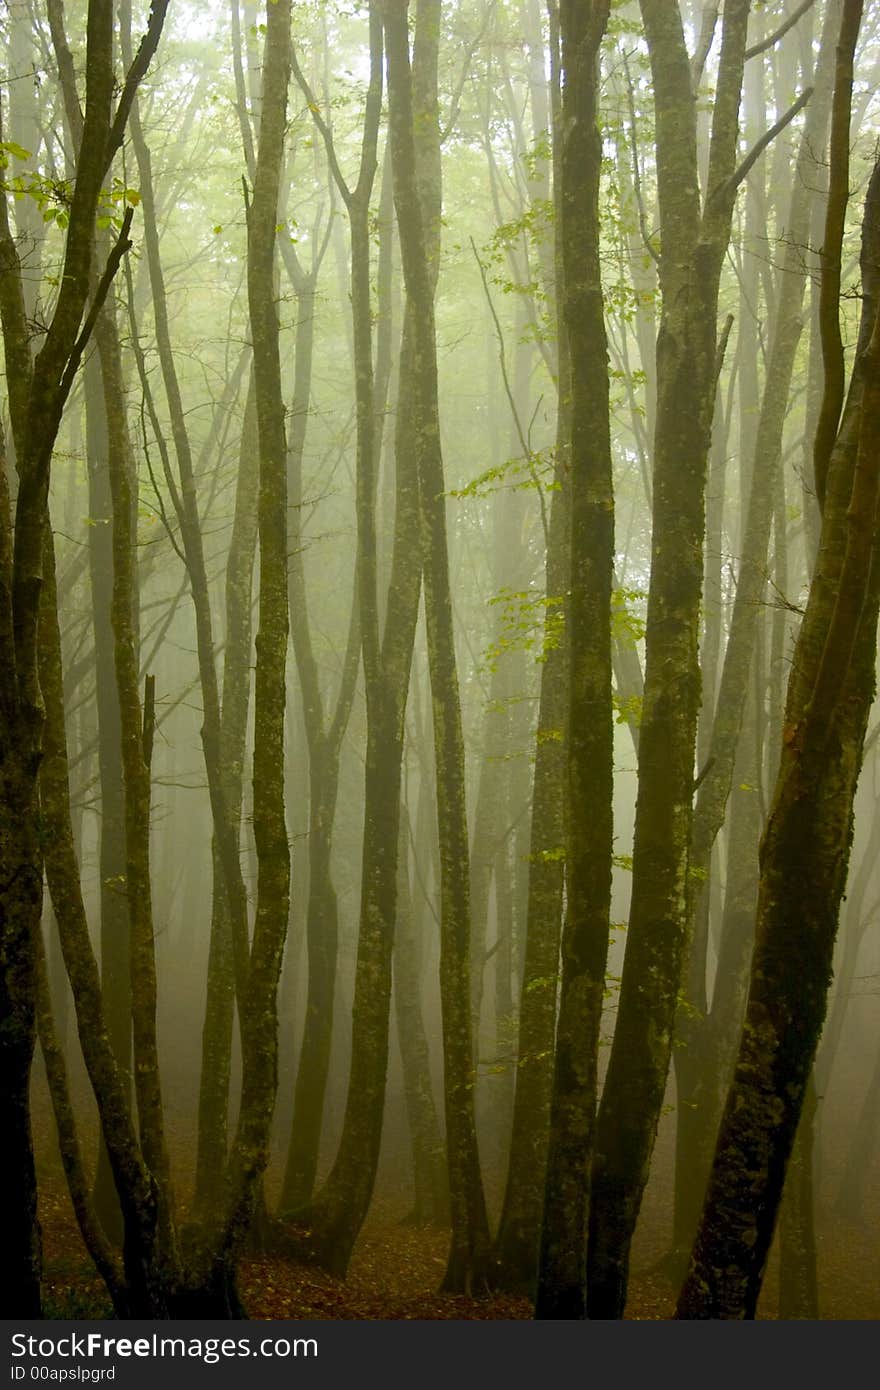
17	151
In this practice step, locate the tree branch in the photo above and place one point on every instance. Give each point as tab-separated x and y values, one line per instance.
324	129
637	176
779	33
754	154
142	59
834	384
121	245
502	362
704	43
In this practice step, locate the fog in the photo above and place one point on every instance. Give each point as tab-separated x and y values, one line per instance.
439	580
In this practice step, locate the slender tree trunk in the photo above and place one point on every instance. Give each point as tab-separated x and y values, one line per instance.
211	1285
324	735
515	1259
745	623
851	1194
470	1230
115	976
429	1158
38	390
561	1290
805	847
220	1001
327	1229
798	1283
695	242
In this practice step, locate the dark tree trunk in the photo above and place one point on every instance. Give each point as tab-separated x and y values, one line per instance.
748	607
516	1246
467	1265
114	904
431	1204
328	1227
38	391
695	242
561	1290
805	848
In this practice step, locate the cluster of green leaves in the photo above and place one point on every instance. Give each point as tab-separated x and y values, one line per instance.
113	202
53	196
627	622
530	622
534	473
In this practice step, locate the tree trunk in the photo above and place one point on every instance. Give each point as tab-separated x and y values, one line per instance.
38	391
561	1291
805	848
695	242
470	1230
431	1203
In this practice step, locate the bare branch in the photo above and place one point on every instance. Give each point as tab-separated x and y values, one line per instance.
770	135
780	32
472	47
704	43
121	245
502	362
637	176
323	128
142	59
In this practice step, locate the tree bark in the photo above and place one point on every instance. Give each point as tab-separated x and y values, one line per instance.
467	1264
561	1290
804	851
694	241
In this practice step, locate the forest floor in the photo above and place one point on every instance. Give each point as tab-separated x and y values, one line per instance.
396	1270
397	1267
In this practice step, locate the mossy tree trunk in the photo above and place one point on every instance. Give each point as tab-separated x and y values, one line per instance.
805	848
115	978
416	220
745	621
431	1200
515	1256
211	1274
694	242
39	388
806	845
328	1226
561	1289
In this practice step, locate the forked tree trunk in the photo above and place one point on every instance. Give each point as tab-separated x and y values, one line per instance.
469	1251
561	1291
327	1228
748	609
38	390
805	848
694	240
211	1288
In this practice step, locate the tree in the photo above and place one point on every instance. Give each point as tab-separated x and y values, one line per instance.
328	1226
39	389
470	1227
694	238
590	729
805	847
